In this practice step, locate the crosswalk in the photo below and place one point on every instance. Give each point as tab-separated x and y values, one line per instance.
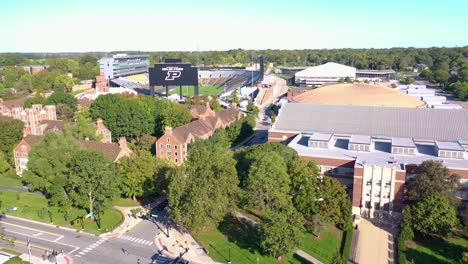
136	240
91	247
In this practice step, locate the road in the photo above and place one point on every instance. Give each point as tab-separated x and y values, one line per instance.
86	248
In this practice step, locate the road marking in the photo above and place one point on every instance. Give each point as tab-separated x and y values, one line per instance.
78	256
94	244
82	253
58	239
89	248
38	234
84	250
147	242
98	242
105	238
40	238
138	240
120	236
30	228
150	244
123	237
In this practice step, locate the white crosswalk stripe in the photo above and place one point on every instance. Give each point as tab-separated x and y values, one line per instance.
136	240
78	255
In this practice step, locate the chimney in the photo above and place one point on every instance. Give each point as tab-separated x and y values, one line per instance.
122	143
201	117
99	122
208	104
168	130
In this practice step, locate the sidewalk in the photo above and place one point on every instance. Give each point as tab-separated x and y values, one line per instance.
178	244
129	221
37	260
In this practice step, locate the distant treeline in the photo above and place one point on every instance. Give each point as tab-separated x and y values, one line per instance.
394	58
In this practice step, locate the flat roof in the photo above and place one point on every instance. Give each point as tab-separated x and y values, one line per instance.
444	145
403	142
381	156
321	136
360	139
417	123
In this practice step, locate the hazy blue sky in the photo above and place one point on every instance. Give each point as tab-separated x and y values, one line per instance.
154	25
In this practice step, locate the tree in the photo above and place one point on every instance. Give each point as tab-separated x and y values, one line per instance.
83	127
214	105
64	65
432	178
304	182
62	98
11	132
63	83
4	166
37	99
134	172
281	231
267	185
49	166
235	97
24	85
92	180
434	215
333	203
204	189
125	117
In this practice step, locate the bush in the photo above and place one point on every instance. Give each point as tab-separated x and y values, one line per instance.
346	244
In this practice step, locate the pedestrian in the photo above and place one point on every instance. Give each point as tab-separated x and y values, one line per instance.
138	261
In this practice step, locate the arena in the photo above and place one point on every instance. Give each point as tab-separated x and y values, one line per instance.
358	94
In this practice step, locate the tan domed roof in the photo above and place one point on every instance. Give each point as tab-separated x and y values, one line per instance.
358	94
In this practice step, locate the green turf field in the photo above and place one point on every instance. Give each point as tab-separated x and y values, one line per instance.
204	90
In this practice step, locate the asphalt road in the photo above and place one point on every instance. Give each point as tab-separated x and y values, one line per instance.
138	243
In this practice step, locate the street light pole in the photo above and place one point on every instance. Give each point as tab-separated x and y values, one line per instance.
229	262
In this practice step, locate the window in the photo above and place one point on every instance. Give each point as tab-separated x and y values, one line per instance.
162	153
175	147
175	160
168	140
168	146
162	146
377	206
175	153
169	153
368	205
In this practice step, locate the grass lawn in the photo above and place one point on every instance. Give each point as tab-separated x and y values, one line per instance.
78	92
325	246
10	178
30	204
126	202
243	241
204	90
438	250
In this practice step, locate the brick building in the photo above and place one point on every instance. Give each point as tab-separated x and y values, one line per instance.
173	144
112	151
32	117
103	131
374	150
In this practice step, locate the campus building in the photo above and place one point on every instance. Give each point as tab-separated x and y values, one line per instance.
333	73
121	65
374	150
112	151
173	144
33	117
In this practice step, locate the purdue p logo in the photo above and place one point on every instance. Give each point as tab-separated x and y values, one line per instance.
172	75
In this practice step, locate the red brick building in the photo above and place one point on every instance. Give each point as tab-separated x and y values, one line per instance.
374	150
32	117
112	151
173	144
103	131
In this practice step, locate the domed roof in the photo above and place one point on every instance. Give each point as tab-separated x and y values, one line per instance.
358	94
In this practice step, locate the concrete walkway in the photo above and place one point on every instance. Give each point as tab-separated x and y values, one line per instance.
308	257
181	245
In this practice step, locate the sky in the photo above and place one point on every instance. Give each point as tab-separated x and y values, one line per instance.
184	25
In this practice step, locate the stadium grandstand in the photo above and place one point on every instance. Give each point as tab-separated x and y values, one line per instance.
229	78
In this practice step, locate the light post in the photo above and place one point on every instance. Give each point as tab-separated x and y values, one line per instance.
229	261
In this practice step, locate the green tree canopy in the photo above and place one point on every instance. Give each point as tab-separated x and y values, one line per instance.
434	215
63	83
432	177
92	180
11	132
203	190
83	126
304	183
282	231
62	98
333	203
125	117
135	171
267	186
49	166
